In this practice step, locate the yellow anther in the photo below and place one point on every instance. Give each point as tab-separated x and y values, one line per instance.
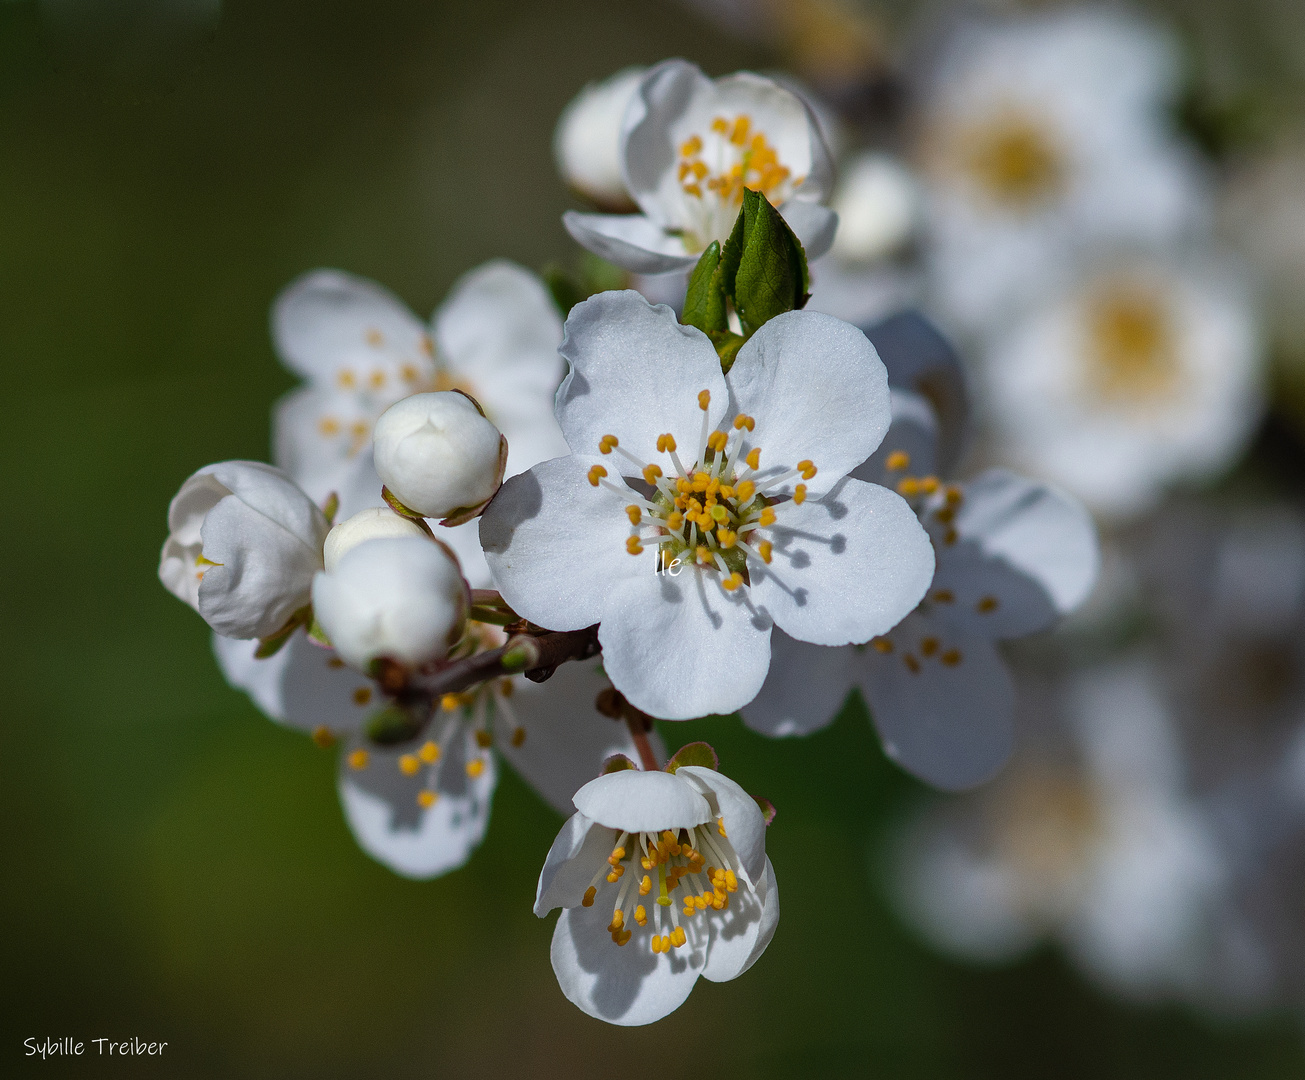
362	695
753	457
944	596
744	491
408	373
701	480
429	753
623	938
615	875
484	739
665	443
358	759
650	474
408	764
507	687
912	663
449	702
678	937
675	520
719	513
725	538
807	469
744	421
731	882
475	768
704	399
908	487
928	646
335	662
596	474
518	736
799	494
986	606
732	582
346	379
765	549
950	537
634	513
944	515
882	644
954	495
716	441
726	492
703	554
633	546
323	737
897	461
377	379
618	921
641	915
767	517
692	145
426	799
645	884
590	893
720	125
618	853
720	827
656	944
608	443
329	426
951	657
930	484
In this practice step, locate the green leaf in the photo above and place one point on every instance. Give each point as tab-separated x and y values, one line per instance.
767	808
316	632
704	303
727	348
695	753
618	763
772	274
392	725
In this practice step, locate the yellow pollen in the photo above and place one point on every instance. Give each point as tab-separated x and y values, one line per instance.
484	740
882	644
475	768
623	938
596	474
651	473
362	695
954	495
716	441
732	582
335	662
449	702
375	338
618	921
912	663
641	915
799	494
518	736
507	688
951	657
590	893
945	515
692	145
897	461
634	513
930	484
645	884
346	379
408	373
633	546
675	520
608	443
665	443
767	517
358	759
944	596
908	486
928	646
720	827
408	764
678	936
329	426
426	799
950	537
323	737
726	539
377	380
764	549
807	469
704	399
744	421
703	554
429	753
987	605
427	346
744	491
753	457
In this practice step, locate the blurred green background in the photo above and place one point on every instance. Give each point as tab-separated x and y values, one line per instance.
175	866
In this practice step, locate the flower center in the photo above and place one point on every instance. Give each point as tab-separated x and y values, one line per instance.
1047	823
681	873
1131	349
710	515
1014	160
714	169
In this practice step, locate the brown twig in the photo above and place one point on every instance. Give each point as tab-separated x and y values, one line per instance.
536	656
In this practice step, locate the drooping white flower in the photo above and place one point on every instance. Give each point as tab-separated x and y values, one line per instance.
689	147
1140	373
244	543
587	140
687	563
1104	851
1044	134
362	350
1012	557
662	877
438	454
374	523
402	599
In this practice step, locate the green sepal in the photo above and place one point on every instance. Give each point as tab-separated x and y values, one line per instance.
704	303
766	807
331	507
727	348
392	501
617	763
694	753
274	643
316	632
392	725
772	275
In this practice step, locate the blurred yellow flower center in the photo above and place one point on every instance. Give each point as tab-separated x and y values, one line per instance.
1014	161
1047	822
1131	348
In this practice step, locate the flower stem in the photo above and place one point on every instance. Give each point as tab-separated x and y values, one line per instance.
639	727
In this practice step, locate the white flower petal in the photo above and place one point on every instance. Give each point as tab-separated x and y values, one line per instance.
815	225
745	825
679	647
322	438
556	545
579	848
632	800
739	942
303	686
567	739
635	373
817	390
846	567
1026	555
629	985
328	323
949	718
914	432
380	804
804	689
631	241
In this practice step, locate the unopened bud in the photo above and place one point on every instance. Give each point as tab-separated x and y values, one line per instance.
244	543
877	204
439	456
402	599
374	523
587	141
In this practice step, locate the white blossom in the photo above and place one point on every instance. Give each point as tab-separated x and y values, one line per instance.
687	563
374	523
662	877
244	543
587	140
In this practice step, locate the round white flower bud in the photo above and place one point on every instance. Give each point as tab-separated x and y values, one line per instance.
439	456
244	543
587	140
401	598
877	205
374	523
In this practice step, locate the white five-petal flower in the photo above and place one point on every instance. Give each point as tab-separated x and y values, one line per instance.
750	517
690	145
662	877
